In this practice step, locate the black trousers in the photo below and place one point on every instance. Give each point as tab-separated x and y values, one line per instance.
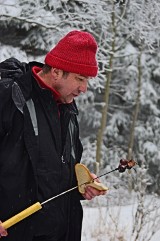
48	238
51	226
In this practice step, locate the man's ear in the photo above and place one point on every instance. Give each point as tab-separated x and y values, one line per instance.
56	73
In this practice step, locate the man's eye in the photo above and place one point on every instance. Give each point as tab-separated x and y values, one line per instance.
79	79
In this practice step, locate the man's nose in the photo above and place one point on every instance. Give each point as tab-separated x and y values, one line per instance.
83	87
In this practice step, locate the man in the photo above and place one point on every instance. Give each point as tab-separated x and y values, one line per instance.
39	139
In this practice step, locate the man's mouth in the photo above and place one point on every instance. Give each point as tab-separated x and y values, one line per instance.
74	95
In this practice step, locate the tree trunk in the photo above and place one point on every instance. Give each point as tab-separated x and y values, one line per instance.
135	113
105	98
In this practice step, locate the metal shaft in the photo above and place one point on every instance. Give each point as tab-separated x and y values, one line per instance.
106	173
50	199
71	189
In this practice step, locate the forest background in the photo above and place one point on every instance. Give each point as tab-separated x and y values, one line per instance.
120	114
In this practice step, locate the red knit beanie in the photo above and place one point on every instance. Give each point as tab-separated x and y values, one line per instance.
76	53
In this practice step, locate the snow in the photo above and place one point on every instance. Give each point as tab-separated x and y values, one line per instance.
97	224
9	6
107	223
9	51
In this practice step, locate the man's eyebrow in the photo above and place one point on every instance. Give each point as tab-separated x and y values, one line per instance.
82	76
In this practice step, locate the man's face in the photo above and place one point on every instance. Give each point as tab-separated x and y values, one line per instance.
70	86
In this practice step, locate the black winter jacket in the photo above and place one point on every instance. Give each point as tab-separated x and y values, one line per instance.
37	162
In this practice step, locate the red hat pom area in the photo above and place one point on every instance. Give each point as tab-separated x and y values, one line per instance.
75	53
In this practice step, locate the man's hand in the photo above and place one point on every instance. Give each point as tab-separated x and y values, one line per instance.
3	232
91	192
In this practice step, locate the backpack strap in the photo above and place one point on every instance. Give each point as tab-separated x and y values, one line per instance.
33	116
20	101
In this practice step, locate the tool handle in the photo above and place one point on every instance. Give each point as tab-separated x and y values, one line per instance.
22	215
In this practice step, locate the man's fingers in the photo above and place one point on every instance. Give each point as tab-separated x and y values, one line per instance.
3	232
95	177
91	192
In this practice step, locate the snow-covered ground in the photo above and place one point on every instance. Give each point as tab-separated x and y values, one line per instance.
115	223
